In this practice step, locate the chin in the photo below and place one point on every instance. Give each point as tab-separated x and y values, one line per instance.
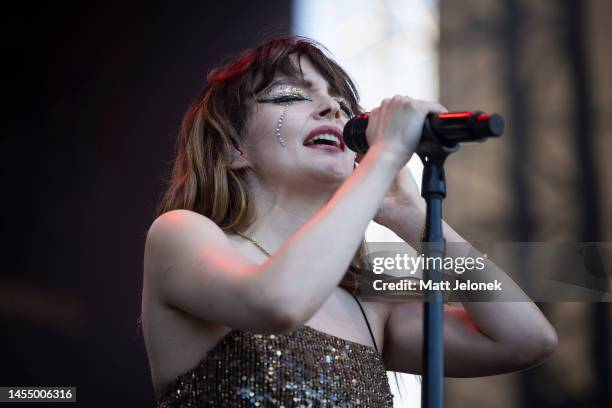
332	175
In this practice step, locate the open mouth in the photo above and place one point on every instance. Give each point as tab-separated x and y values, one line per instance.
326	138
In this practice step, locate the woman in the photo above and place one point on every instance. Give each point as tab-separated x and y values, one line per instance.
250	267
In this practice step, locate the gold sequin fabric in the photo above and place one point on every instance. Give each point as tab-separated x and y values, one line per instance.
304	368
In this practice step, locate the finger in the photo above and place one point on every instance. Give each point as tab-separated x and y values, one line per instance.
430	106
442	108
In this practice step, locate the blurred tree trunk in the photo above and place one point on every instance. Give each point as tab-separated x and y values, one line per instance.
583	128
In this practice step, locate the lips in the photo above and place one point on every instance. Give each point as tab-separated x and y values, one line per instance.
329	130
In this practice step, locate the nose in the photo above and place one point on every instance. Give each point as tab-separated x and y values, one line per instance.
329	108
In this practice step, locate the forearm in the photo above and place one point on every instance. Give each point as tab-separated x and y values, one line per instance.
518	324
307	268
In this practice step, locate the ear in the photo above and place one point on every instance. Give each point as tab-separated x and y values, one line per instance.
239	158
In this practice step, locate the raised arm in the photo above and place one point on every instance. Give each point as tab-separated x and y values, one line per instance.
480	338
192	266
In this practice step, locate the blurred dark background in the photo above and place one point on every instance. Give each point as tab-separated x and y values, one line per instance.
96	93
95	96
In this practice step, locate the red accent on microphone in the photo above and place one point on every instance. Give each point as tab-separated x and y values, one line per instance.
455	115
483	116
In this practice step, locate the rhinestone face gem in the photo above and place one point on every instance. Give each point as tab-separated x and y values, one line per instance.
280	125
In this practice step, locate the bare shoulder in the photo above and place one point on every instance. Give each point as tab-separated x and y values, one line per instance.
191	265
176	329
183	224
175	233
171	243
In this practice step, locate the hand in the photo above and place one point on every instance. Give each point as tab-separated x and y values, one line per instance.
401	201
398	122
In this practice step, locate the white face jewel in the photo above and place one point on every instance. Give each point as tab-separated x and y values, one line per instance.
280	125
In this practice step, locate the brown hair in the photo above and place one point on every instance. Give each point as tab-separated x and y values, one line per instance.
201	179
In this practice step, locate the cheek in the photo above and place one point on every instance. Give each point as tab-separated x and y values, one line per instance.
292	124
260	127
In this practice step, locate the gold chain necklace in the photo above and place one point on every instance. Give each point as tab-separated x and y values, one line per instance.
254	243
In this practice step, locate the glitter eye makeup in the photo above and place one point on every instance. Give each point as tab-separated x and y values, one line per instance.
283	93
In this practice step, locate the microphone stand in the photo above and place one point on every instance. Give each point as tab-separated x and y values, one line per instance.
440	137
433	154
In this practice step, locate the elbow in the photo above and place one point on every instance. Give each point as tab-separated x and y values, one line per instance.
285	320
276	314
538	349
289	312
281	317
286	311
270	318
546	345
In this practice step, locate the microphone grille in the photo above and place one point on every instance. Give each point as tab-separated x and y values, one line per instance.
354	134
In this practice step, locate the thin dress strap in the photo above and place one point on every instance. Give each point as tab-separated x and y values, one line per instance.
366	319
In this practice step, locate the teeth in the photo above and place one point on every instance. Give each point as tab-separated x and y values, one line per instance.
325	136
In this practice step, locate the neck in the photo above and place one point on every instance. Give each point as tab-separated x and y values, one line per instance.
280	212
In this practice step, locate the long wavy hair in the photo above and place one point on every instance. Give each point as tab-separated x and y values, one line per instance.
202	180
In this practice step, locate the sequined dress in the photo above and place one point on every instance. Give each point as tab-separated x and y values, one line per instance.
304	368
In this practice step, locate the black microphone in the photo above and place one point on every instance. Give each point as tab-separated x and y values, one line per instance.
446	129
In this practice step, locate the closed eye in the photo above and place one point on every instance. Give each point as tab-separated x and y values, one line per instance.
288	98
283	98
281	92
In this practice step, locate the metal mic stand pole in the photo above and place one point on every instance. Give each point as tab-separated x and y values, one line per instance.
433	149
433	190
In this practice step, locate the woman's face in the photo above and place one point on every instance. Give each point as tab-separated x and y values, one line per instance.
285	116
